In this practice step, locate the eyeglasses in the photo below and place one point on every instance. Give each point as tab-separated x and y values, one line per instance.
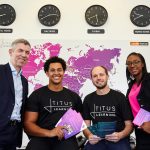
135	63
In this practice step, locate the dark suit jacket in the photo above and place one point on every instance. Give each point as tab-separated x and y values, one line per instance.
7	98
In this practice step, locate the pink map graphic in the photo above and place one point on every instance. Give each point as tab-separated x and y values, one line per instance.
78	70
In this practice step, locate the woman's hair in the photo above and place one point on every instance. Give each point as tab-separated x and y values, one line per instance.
144	69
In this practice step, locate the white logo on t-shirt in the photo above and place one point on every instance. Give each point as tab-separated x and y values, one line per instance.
103	111
58	105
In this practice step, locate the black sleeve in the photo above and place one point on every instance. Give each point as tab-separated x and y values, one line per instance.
32	103
86	110
144	95
78	103
125	108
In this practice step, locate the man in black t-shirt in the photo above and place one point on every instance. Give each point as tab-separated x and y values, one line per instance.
106	105
46	106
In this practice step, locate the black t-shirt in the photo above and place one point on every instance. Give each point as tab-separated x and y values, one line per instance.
107	108
52	105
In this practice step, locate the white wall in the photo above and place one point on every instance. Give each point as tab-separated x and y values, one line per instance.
72	24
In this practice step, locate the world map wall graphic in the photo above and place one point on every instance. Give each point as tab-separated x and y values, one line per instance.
78	67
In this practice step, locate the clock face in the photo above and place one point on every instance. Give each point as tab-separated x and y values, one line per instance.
140	16
96	15
7	14
49	15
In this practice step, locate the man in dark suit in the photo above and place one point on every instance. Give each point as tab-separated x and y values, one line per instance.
13	93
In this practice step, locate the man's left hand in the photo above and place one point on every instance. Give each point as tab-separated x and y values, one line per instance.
114	137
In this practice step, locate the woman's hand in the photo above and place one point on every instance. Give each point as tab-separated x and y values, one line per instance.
146	127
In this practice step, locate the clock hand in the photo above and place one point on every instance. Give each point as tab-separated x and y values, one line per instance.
49	15
138	17
92	17
2	15
136	13
96	18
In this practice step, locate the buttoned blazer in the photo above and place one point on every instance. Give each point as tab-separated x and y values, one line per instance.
7	98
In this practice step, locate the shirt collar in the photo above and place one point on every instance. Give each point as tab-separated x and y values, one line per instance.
14	70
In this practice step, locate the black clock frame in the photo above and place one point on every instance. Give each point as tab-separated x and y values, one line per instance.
49	15
137	19
7	14
97	16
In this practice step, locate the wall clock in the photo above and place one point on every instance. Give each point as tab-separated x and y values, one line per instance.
49	15
7	14
140	16
96	15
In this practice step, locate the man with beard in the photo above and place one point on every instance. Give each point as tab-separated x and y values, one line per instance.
106	106
46	106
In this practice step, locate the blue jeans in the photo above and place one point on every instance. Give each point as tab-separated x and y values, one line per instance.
106	145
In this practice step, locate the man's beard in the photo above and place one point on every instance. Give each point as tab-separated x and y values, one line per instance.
101	87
